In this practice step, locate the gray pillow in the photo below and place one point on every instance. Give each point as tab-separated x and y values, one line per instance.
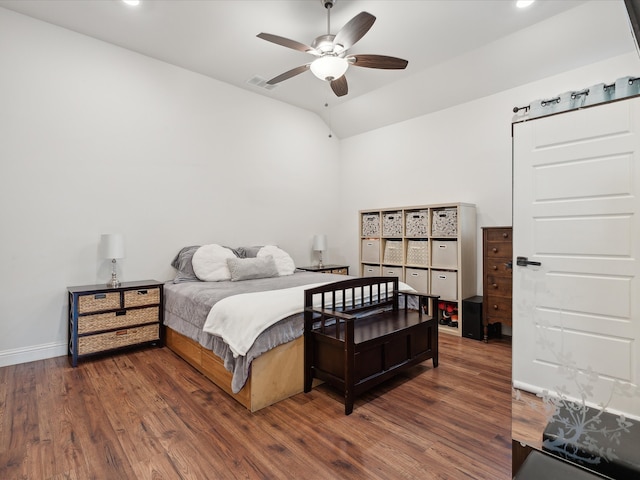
248	252
251	268
182	263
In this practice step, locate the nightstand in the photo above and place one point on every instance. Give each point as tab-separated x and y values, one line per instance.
339	269
103	319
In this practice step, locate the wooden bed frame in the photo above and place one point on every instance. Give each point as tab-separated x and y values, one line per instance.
274	375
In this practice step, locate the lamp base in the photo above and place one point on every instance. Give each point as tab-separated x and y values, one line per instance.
114	283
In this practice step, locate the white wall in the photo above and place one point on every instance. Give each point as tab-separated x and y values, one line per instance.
461	154
97	139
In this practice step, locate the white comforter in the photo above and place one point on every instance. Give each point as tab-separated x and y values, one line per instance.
239	319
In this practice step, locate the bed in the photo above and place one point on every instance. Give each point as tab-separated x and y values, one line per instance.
256	374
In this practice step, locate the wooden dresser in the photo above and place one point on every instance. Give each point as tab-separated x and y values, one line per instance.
497	276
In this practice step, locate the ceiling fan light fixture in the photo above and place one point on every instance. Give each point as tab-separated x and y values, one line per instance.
329	68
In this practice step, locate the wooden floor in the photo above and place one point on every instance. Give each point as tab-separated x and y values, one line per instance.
148	415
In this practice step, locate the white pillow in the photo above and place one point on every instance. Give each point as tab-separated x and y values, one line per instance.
284	263
210	263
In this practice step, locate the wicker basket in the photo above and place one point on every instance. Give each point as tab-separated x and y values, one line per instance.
144	296
111	320
98	301
393	252
418	253
120	338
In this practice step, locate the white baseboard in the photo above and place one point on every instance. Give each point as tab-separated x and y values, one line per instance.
33	353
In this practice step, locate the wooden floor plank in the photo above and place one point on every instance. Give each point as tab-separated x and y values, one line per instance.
146	414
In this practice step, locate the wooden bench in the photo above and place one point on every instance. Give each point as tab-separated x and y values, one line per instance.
362	341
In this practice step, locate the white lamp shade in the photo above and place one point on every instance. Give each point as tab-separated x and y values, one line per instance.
320	242
329	67
112	245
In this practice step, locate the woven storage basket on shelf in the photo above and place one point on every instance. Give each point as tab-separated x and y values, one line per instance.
371	225
444	223
109	321
99	301
137	298
418	252
417	224
393	252
120	338
392	224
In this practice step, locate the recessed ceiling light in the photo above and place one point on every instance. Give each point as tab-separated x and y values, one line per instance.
133	3
524	3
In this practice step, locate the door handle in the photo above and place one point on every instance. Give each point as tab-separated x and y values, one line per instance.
524	261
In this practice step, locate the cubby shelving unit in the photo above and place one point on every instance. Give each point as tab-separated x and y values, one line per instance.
432	248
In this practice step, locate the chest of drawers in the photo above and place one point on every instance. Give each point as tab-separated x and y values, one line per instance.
497	275
103	319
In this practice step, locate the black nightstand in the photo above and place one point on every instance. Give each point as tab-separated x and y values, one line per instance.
339	269
103	319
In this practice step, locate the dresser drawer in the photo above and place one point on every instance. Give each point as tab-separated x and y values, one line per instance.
120	338
143	296
497	234
498	266
498	286
340	271
498	249
498	309
119	319
98	301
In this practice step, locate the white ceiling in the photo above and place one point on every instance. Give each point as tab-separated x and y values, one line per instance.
457	50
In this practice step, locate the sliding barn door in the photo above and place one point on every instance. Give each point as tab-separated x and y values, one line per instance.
576	206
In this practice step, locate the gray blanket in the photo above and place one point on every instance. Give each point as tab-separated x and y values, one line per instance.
187	306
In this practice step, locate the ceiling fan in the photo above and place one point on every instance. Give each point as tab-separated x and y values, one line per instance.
332	59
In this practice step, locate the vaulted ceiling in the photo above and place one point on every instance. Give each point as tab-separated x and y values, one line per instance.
457	50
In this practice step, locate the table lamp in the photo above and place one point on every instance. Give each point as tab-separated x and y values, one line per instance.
320	245
113	248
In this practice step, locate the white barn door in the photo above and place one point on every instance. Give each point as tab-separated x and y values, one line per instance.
576	209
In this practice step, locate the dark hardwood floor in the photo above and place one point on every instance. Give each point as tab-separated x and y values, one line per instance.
148	415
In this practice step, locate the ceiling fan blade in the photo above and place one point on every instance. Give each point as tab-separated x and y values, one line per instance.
339	86
354	30
288	74
286	42
378	61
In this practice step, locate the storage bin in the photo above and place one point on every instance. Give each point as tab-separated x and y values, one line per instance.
444	254
417	279
371	250
392	224
370	225
445	284
417	224
444	222
392	272
117	339
144	296
98	301
370	271
418	252
393	251
119	319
